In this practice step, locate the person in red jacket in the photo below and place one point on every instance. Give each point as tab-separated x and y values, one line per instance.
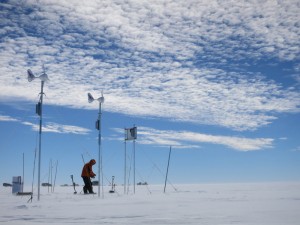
87	174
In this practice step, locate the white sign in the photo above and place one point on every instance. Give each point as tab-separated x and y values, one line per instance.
130	133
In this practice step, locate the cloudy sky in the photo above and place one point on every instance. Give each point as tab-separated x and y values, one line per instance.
216	80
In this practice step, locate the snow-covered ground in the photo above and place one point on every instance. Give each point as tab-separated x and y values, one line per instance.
259	204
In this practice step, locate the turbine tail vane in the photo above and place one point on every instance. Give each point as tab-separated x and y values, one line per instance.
30	76
90	98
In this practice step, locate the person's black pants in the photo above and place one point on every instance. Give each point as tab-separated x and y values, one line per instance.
88	188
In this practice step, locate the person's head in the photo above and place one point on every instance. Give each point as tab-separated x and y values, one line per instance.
93	161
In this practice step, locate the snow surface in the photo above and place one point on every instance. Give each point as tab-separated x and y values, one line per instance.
261	203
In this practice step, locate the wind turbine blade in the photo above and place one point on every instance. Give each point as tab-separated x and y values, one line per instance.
101	99
44	77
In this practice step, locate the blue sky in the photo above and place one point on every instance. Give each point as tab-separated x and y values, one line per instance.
217	81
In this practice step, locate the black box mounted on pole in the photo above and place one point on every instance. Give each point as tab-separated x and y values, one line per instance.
97	125
38	108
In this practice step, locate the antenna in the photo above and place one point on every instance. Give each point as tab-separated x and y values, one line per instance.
43	68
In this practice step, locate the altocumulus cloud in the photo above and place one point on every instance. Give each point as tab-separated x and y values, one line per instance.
175	60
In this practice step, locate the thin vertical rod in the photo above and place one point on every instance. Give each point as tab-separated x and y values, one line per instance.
125	164
51	176
134	166
100	166
99	150
167	169
23	174
33	172
55	174
40	139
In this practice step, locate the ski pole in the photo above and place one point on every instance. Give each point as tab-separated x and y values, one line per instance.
75	192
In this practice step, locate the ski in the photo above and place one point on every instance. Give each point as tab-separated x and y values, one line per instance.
89	193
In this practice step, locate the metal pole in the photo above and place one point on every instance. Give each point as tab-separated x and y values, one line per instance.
40	138
51	176
99	150
134	166
125	163
167	169
55	175
23	174
100	171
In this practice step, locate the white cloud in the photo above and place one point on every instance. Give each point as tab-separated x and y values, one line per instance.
186	139
297	149
283	138
59	128
175	60
8	118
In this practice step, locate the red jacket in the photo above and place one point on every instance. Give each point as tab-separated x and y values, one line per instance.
87	170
